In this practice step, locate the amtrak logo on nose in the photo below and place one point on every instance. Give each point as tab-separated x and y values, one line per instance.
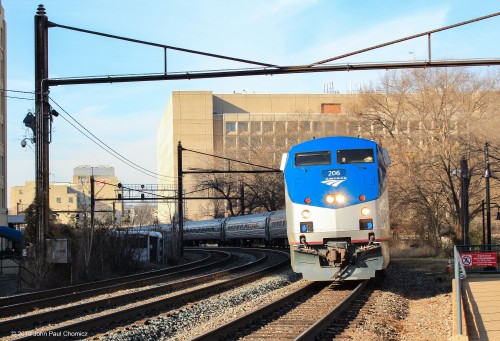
333	182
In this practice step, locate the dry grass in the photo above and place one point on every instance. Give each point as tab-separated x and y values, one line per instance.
404	251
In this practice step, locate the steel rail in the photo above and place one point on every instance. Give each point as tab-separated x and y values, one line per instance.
313	287
240	322
120	315
324	322
38	295
59	298
28	321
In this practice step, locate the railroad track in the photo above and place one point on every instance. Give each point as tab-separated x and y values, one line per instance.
301	315
108	312
36	300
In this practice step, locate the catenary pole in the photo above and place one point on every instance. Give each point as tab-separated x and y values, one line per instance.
180	208
41	129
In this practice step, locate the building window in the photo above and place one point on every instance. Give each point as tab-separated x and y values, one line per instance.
243	142
353	127
255	127
331	108
317	126
20	192
58	200
230	127
255	141
242	127
231	142
267	127
305	126
330	128
267	141
70	200
292	127
279	127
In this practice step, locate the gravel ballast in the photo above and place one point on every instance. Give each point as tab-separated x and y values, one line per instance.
412	303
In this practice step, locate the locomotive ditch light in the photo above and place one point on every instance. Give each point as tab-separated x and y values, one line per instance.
305	214
365	211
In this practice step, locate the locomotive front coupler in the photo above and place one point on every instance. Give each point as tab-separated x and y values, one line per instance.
334	252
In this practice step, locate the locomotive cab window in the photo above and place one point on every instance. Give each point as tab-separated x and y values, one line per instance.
313	158
355	156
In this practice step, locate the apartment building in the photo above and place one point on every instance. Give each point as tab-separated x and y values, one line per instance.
67	199
236	125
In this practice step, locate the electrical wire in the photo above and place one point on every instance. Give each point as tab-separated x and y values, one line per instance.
106	147
14	97
226	158
18	91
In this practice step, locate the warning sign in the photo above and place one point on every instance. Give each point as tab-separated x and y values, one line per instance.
479	258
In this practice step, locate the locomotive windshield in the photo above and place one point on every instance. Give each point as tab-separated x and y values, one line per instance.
313	158
355	156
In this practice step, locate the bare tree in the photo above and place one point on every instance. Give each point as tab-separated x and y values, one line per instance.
144	215
429	120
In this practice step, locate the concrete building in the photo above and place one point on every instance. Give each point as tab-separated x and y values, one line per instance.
4	243
68	198
237	126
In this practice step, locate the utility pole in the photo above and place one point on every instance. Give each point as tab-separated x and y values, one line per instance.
487	175
464	176
242	198
484	227
92	202
42	128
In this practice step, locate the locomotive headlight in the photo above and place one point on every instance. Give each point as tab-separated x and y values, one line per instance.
340	198
306	214
329	199
365	211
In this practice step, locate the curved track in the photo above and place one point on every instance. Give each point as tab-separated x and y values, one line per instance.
107	312
40	299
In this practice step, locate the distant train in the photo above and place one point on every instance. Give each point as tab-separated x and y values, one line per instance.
147	244
337	209
260	229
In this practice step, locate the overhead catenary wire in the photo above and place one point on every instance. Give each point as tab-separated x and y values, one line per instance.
153	194
15	97
20	92
229	159
106	147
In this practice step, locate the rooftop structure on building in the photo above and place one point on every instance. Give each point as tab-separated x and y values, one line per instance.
236	125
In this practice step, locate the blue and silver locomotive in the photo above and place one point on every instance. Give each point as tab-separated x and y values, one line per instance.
337	209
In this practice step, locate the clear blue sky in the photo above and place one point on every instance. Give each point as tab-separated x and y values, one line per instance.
283	32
